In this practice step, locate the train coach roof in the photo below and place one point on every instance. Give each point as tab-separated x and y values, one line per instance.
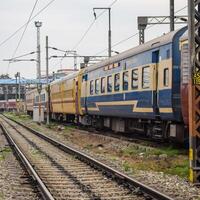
160	41
36	91
184	36
69	76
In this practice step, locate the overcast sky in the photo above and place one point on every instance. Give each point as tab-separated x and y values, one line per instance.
65	22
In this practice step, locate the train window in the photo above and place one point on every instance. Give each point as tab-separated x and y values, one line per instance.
166	77
125	80
117	82
84	78
125	65
97	86
103	85
42	97
36	99
168	53
146	77
91	87
109	84
135	79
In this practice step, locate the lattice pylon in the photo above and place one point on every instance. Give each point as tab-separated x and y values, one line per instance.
194	89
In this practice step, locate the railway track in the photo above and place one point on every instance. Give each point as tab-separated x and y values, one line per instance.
62	172
15	182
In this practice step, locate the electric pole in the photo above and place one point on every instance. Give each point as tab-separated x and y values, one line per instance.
16	93
47	77
172	27
109	28
17	75
19	90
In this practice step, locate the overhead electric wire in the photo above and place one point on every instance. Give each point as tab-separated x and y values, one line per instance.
33	52
136	34
181	9
25	28
13	34
87	30
90	26
20	40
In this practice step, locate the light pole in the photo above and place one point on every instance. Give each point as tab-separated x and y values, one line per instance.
109	27
38	24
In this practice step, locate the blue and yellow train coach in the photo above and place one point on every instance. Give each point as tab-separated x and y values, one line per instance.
138	89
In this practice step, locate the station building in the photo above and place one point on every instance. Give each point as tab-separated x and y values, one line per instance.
9	94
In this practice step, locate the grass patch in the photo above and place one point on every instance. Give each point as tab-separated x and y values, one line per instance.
69	127
18	117
174	161
35	152
136	151
2	196
176	166
127	167
51	125
55	126
4	152
88	146
180	169
113	158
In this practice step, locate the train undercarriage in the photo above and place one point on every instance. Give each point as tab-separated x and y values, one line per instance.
155	129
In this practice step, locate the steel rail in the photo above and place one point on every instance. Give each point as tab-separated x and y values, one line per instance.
41	186
118	176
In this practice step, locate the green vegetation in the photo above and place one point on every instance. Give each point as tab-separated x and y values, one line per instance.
88	146
19	117
146	152
1	196
51	125
26	118
4	152
180	169
166	159
127	167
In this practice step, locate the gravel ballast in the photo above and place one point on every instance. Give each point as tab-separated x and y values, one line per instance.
104	148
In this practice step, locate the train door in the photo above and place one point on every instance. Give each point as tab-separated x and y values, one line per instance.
84	91
155	60
76	97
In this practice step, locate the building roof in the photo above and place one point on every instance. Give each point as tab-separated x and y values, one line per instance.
22	81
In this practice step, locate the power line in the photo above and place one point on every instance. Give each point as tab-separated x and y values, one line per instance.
33	52
181	9
91	25
25	28
87	30
11	36
136	34
20	40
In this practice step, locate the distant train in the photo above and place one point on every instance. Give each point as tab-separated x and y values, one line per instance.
142	89
9	105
